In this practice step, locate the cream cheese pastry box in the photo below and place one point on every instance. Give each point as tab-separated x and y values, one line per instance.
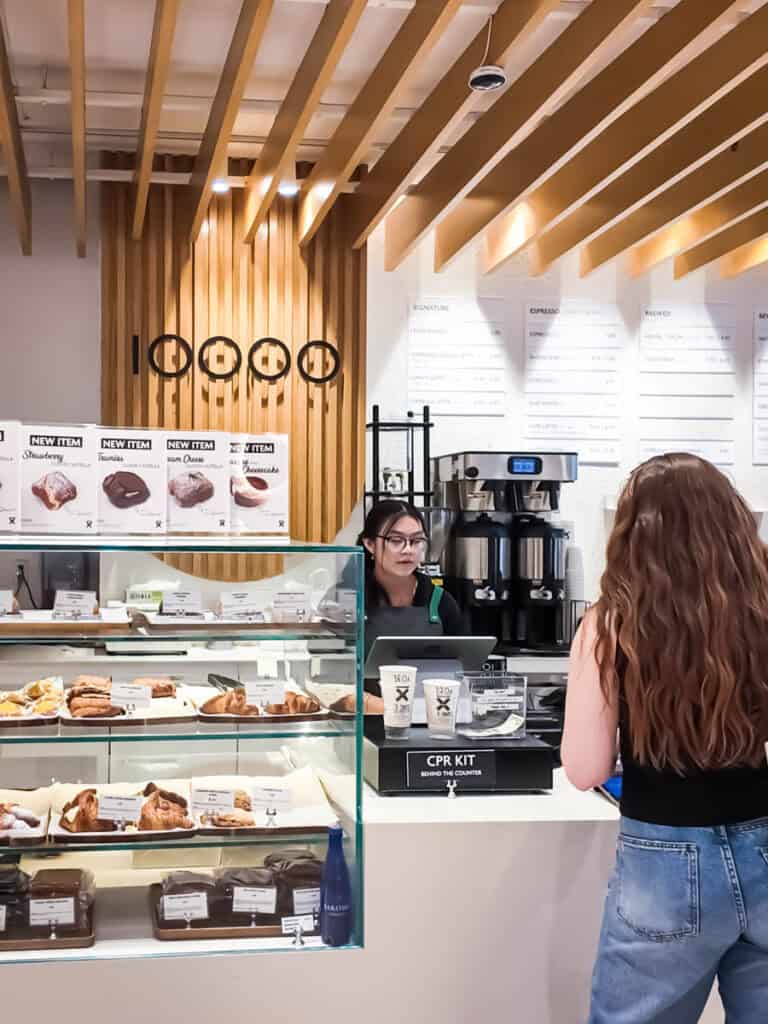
131	480
10	489
58	479
259	483
198	481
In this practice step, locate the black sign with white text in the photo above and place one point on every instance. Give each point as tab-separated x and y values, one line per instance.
434	769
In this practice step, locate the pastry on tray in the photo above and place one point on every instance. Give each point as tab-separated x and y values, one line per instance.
161	686
294	704
89	697
64	883
14	886
163	810
236	818
14	818
10	709
43	697
82	814
293	871
232	702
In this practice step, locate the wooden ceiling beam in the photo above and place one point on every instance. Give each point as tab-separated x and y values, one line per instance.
745	258
703	222
744	107
13	151
211	159
417	35
279	151
490	137
448	103
700	83
76	30
721	244
641	66
710	178
166	13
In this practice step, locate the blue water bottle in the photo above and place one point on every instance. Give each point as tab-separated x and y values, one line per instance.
336	893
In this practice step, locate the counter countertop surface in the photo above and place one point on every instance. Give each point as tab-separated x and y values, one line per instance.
564	803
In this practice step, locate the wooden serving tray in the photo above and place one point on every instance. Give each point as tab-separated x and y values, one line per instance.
121	721
316	716
91	838
30	722
178	932
14	939
62	627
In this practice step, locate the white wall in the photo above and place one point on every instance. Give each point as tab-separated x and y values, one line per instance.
583	502
50	330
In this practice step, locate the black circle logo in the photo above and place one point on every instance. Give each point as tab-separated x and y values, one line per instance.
259	374
228	343
301	359
185	347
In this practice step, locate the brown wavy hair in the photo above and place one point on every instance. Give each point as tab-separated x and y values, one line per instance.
682	620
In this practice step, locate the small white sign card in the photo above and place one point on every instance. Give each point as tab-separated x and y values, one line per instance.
247	899
264	691
120	808
271	798
215	801
43	913
6	602
182	602
292	924
186	906
75	604
240	604
133	696
3	911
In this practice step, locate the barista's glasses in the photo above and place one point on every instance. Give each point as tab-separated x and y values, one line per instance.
398	543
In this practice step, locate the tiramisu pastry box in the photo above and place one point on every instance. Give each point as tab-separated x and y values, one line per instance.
58	479
10	492
131	480
259	483
198	481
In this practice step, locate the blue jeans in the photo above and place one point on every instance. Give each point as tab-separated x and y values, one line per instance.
684	906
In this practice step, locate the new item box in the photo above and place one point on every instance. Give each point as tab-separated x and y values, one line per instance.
58	479
259	483
131	473
198	481
10	493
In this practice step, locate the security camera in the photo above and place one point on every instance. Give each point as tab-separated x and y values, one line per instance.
487	77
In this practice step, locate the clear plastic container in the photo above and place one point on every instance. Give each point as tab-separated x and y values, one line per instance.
498	703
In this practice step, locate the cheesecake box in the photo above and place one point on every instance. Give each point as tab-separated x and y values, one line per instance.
131	480
10	489
58	479
259	483
197	463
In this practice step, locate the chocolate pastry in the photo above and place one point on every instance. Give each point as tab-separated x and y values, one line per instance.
232	702
60	883
232	878
54	490
163	811
82	814
295	704
161	686
180	882
191	488
14	886
293	871
248	492
125	489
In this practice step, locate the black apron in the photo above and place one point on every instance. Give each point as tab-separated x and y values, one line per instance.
418	620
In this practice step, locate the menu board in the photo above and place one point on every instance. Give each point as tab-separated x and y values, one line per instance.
573	379
687	382
760	399
456	356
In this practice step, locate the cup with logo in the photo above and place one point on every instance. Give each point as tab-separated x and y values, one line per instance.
442	700
397	685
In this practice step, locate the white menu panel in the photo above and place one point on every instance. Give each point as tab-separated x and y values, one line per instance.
573	379
687	381
456	356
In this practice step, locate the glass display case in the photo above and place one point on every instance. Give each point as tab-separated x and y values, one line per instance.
180	747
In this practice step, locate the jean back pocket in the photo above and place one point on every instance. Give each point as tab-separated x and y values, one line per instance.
658	888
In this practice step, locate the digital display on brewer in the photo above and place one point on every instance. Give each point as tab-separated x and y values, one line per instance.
529	466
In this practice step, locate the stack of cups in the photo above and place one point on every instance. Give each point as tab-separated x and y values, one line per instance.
398	683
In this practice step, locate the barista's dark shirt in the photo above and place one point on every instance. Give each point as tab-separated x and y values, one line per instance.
448	610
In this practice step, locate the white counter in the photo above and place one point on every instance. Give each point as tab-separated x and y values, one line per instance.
476	908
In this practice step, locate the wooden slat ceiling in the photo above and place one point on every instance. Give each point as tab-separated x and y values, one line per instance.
632	129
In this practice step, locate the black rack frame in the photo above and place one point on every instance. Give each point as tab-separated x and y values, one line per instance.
377	426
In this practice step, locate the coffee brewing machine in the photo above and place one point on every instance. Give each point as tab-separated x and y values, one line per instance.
505	549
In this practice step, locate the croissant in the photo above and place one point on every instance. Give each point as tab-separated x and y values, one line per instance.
235	818
294	704
232	702
161	686
82	814
163	811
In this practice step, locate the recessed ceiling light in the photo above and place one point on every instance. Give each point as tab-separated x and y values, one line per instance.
220	185
288	189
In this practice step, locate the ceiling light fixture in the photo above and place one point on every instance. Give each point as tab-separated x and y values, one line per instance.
220	185
488	77
288	189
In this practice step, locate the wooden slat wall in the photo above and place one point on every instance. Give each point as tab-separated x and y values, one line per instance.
220	286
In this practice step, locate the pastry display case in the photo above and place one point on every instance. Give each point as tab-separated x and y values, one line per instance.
180	751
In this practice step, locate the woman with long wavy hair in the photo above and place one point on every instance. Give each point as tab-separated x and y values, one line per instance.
673	660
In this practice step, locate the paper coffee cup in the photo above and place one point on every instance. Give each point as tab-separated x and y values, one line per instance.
442	700
398	683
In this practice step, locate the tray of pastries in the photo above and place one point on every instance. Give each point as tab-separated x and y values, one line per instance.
238	902
26	905
260	804
24	816
153	811
88	702
232	706
36	703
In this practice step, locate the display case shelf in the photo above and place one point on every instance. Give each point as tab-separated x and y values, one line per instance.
327	728
203	842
